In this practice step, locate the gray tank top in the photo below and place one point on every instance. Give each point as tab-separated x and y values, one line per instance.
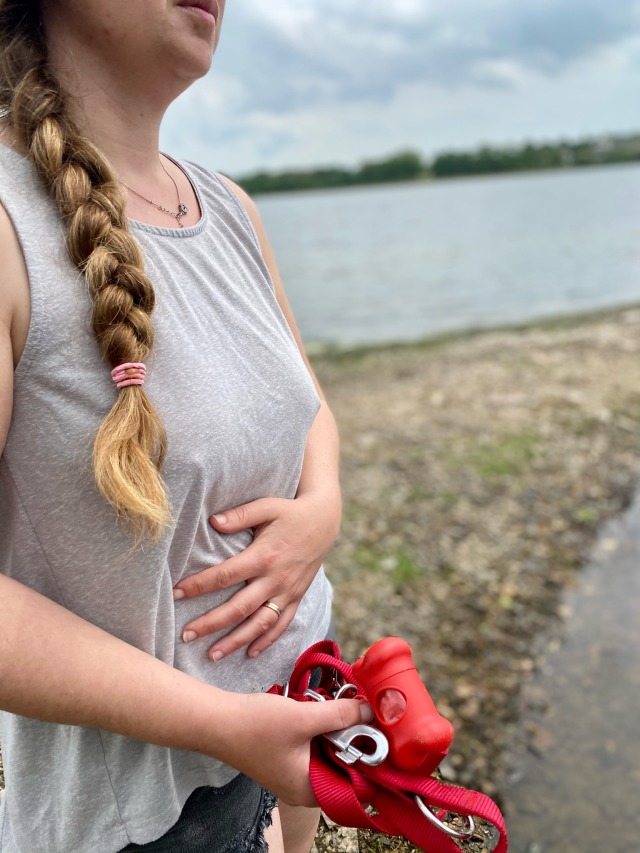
237	402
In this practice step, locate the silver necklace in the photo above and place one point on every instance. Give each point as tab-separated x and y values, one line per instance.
182	207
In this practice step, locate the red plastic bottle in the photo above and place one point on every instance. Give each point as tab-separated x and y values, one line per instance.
418	735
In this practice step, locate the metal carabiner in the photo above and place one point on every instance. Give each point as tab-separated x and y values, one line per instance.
448	830
343	739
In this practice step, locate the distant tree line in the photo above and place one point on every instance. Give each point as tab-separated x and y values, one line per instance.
489	160
409	165
405	166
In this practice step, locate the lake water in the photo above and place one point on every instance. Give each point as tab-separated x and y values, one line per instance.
578	790
405	261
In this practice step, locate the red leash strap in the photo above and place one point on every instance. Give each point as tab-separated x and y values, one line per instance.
344	791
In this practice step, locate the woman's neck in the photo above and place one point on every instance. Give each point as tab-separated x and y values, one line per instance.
120	115
125	130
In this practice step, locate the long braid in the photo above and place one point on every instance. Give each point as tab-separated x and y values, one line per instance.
130	444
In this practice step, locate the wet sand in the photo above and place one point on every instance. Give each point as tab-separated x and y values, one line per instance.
577	775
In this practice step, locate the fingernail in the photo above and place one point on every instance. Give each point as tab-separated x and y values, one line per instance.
188	636
221	519
254	653
366	712
217	655
178	594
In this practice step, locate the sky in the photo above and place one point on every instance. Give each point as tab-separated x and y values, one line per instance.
304	83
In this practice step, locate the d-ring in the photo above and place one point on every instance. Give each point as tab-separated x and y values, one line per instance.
453	833
346	688
272	606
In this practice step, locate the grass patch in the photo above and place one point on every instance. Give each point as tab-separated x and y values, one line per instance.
447	500
366	559
586	515
585	426
402	569
418	494
506	457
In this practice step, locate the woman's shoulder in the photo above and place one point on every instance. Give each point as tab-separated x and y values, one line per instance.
226	192
12	158
29	234
205	177
244	202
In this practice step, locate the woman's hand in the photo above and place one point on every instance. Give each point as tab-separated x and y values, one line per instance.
268	738
291	539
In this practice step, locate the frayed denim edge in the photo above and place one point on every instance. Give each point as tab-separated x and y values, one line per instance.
270	802
257	844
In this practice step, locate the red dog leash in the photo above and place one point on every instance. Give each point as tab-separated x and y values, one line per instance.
380	778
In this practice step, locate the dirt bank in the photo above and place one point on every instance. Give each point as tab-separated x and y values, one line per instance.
476	472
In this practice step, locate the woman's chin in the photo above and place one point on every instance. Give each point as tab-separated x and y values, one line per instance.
193	64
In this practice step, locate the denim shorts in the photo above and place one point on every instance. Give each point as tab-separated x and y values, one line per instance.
231	819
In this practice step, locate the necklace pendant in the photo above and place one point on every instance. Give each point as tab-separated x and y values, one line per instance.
182	207
182	211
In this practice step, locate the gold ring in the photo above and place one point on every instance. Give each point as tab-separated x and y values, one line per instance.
273	606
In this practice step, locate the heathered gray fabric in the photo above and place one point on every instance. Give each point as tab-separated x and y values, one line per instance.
229	384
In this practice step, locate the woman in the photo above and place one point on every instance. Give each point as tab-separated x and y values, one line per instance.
140	306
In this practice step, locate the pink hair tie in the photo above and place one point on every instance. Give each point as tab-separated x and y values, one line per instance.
131	373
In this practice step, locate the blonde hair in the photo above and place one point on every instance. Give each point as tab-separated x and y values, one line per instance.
130	444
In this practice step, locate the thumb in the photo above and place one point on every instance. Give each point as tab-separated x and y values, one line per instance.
243	517
337	714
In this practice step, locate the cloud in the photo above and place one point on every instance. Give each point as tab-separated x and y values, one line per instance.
287	54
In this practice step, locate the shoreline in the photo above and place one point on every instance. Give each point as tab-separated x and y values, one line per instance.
322	350
268	194
477	471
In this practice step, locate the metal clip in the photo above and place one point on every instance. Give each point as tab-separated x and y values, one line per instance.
344	690
343	739
448	830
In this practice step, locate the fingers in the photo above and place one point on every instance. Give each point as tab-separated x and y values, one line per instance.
337	714
269	567
229	573
258	633
243	605
245	516
257	626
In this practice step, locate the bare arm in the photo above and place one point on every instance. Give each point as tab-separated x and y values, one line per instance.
84	676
